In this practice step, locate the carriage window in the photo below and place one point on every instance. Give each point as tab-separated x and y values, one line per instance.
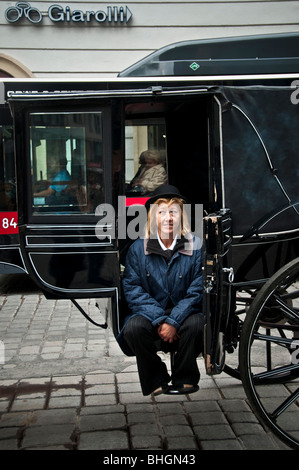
146	163
7	170
66	162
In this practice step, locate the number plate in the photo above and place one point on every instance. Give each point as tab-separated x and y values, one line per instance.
8	223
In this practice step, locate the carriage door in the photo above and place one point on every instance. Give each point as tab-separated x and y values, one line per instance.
64	172
217	238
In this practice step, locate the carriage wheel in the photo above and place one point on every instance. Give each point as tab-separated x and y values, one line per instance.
269	354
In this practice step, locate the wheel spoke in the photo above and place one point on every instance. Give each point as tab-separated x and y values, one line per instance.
279	327
273	339
285	404
278	372
291	295
289	312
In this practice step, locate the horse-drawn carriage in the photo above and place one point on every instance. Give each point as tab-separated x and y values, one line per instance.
224	117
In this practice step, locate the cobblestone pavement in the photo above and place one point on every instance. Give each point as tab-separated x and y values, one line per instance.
65	384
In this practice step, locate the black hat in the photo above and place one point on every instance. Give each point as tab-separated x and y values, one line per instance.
166	191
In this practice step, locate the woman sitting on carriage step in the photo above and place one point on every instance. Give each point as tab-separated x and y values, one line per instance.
162	285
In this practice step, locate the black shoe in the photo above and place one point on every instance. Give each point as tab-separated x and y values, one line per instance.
173	390
188	389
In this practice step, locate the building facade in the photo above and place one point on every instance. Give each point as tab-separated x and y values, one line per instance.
78	38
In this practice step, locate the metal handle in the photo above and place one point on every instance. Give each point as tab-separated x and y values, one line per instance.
231	274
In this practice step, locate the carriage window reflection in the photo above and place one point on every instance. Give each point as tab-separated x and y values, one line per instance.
67	168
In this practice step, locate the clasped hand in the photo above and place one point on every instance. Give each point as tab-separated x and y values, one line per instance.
167	332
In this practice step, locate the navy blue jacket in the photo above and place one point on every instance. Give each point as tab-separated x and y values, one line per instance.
151	284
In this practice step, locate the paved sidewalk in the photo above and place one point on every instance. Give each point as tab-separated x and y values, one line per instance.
65	384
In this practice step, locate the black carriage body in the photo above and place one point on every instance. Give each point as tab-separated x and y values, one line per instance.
232	147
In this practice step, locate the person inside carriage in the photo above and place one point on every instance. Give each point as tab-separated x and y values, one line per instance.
150	174
162	285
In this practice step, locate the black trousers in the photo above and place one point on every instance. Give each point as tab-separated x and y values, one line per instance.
145	342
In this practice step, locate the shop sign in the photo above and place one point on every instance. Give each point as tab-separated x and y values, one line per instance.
59	14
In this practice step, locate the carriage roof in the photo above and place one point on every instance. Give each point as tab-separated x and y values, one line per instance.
260	54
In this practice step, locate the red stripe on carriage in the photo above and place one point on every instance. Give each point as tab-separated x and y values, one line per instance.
139	201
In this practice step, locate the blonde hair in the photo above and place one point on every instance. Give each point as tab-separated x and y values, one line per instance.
151	226
153	155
